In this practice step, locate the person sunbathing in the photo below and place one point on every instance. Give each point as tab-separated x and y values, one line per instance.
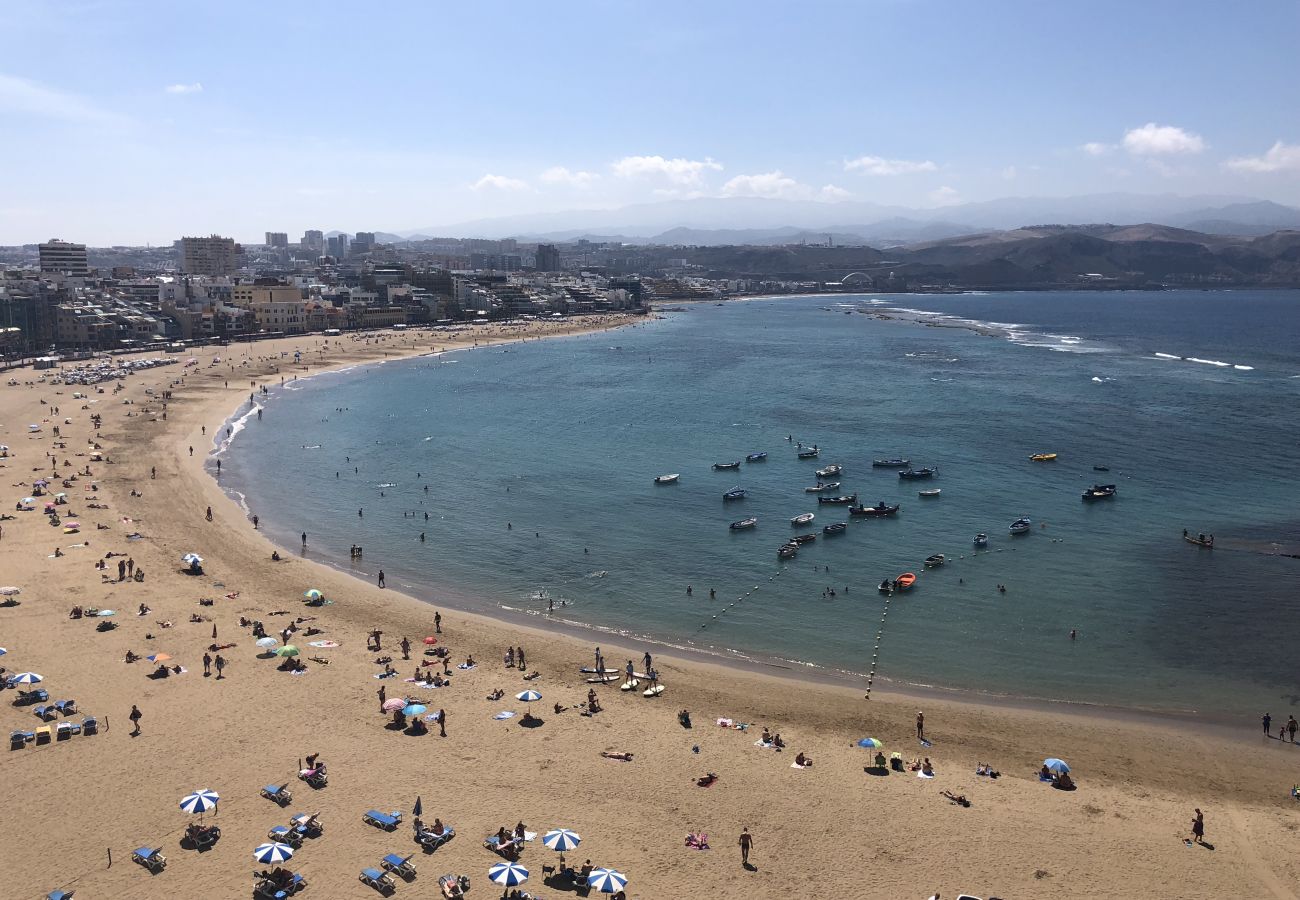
959	799
926	768
496	695
559	708
802	761
437	827
1064	782
469	662
617	754
777	742
130	656
707	780
767	736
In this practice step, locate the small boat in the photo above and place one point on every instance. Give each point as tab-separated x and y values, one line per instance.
756	457
802	519
1020	526
905	581
744	523
981	540
835	528
886	586
787	551
1099	492
830	471
1101	468
842	499
880	509
668	479
820	488
718	467
734	494
1043	457
897	463
928	472
800	539
1200	540
809	454
929	492
935	560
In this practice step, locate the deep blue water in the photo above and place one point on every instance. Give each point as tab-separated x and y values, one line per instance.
562	439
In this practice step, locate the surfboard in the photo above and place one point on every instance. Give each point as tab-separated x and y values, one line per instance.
602	679
591	670
654	691
629	685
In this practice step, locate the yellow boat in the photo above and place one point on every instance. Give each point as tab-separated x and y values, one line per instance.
1043	457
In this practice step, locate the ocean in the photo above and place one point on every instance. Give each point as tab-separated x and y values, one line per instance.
534	463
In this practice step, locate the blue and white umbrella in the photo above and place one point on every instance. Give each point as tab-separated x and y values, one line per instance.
191	558
26	678
3	651
508	874
1059	766
561	839
201	801
607	881
528	696
272	854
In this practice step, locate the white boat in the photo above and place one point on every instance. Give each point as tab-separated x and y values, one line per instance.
822	488
1020	526
802	519
932	492
981	540
668	479
830	471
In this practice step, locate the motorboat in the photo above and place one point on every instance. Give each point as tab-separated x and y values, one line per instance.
905	581
1020	526
811	453
734	494
787	551
896	463
719	467
800	539
830	471
744	523
929	492
1101	468
935	560
756	457
802	519
880	509
1200	540
981	540
848	499
668	479
822	488
928	472
835	528
1043	457
1099	492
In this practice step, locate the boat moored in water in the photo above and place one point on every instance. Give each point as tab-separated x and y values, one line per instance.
905	581
880	509
929	492
835	528
802	519
719	467
830	471
668	479
787	551
896	463
744	523
981	540
843	499
1020	526
734	494
800	539
928	472
935	560
1200	540
756	457
1043	457
811	453
821	488
1099	492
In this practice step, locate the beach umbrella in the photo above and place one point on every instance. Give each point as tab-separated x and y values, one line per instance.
159	657
508	874
191	559
313	594
419	808
607	881
267	642
107	612
287	650
561	839
431	640
27	678
27	500
870	744
414	709
394	703
1059	766
9	591
528	696
3	651
201	801
272	854
39	482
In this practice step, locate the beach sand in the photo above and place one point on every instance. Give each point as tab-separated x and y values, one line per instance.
831	830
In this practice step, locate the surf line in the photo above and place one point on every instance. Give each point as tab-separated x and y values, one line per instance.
739	599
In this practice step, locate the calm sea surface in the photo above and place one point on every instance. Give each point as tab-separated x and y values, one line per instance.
1190	399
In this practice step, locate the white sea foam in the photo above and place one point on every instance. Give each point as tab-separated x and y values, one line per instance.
1208	362
1167	356
1244	368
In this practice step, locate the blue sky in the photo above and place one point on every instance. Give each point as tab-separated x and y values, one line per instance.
128	121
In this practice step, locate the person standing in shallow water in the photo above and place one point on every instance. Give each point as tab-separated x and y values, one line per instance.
381	577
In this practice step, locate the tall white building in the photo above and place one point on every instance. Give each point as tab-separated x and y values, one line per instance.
62	258
213	255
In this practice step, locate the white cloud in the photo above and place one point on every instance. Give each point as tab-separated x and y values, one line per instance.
773	184
878	165
831	192
1097	148
18	95
500	183
191	88
1279	158
944	196
1161	140
561	175
678	171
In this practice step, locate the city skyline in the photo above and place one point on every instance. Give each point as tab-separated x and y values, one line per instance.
279	118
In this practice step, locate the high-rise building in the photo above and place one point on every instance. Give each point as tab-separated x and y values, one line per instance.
313	240
277	239
364	242
62	258
213	255
548	258
338	246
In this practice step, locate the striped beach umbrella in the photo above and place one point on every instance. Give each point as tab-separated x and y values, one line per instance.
201	801
508	874
607	881
159	657
27	678
394	703
191	559
267	642
528	696
3	651
870	744
273	853
561	839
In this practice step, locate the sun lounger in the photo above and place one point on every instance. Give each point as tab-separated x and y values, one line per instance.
269	890
151	858
89	726
377	880
451	887
285	835
45	713
398	865
27	698
65	730
278	793
300	825
59	895
387	821
431	841
18	739
44	734
66	707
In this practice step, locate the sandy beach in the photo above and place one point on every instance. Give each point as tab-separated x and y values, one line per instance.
833	829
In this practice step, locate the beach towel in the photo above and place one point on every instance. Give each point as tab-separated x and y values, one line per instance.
795	765
765	746
386	675
323	644
923	775
465	668
504	714
299	672
724	723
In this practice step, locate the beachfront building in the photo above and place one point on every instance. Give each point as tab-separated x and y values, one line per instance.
213	255
64	258
276	304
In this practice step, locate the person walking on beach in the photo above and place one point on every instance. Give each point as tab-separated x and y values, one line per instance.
442	723
746	844
1198	828
135	718
121	570
1268	721
406	648
1291	727
383	695
207	665
381	579
130	566
220	663
523	666
437	623
920	725
646	660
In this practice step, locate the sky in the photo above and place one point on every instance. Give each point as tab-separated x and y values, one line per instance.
135	121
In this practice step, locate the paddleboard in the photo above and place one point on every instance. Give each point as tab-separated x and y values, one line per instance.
654	691
589	670
603	679
629	685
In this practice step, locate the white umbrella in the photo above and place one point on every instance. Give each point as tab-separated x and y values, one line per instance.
27	678
191	558
267	642
272	854
508	874
607	881
561	839
201	801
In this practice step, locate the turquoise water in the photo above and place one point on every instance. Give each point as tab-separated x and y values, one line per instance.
1188	397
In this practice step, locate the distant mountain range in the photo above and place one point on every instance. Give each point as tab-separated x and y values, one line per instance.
713	221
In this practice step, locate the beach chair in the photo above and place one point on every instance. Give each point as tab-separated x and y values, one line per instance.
66	707
398	865
89	726
278	793
150	857
378	880
45	713
300	825
27	698
18	739
44	734
451	886
388	822
59	895
65	730
315	778
430	841
285	835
